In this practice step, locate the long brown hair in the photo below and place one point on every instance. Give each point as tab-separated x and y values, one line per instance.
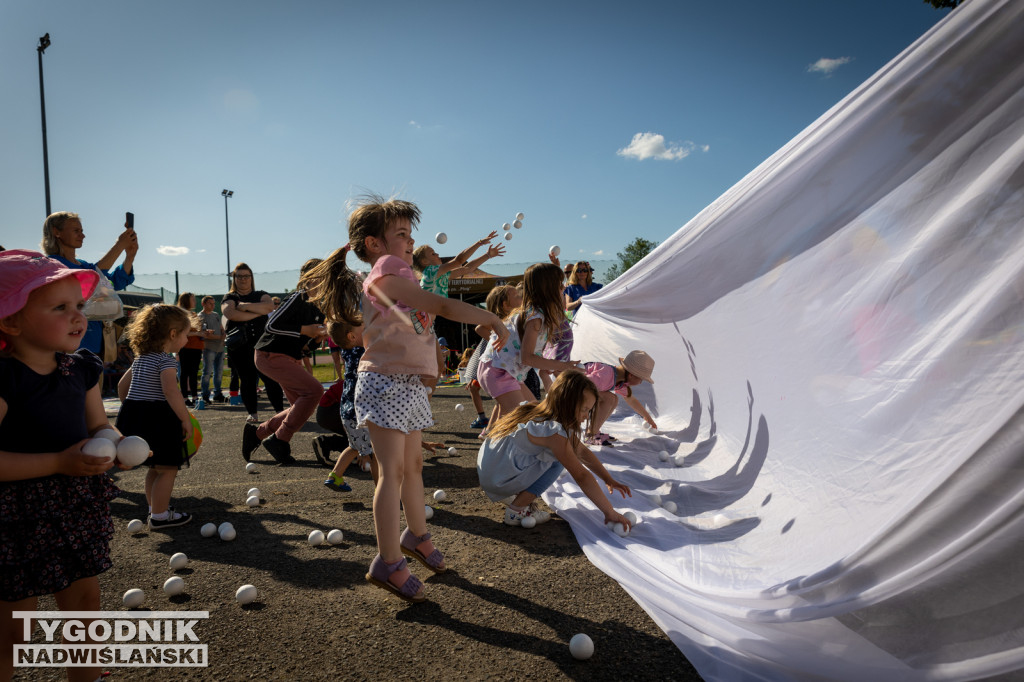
560	405
542	291
252	278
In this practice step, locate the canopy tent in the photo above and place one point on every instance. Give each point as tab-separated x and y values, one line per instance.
839	388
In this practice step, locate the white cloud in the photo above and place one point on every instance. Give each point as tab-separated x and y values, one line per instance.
652	146
172	250
414	124
826	66
584	216
599	253
241	101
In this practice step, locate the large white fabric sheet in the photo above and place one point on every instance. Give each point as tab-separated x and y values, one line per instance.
840	378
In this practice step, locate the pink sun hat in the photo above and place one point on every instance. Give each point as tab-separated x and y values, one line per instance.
22	272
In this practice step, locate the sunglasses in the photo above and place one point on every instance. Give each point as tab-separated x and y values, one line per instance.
583	270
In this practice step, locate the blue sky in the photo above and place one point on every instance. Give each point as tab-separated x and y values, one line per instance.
601	122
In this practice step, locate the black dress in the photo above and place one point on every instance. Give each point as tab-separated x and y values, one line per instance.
56	529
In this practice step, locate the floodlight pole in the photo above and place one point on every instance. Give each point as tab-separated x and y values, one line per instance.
227	238
44	43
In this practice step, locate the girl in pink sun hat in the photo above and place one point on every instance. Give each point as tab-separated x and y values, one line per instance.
55	525
613	381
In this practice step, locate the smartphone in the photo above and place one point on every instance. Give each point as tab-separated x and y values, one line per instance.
129	220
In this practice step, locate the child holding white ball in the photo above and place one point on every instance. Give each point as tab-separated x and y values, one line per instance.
152	407
391	400
530	447
55	525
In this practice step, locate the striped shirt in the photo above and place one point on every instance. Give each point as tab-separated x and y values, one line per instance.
146	370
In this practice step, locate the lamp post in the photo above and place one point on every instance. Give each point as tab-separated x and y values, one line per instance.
226	193
44	43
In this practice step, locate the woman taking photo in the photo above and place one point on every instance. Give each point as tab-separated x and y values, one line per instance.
246	309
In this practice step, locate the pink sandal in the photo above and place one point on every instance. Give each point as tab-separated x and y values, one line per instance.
380	570
411	544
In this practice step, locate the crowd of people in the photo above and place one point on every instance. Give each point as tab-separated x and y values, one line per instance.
379	327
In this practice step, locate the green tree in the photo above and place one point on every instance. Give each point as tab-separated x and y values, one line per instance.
635	251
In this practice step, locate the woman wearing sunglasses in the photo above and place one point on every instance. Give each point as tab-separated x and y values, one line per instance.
581	283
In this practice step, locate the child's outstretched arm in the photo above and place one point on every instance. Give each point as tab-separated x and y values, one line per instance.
466	254
493	251
640	410
20	466
562	450
392	288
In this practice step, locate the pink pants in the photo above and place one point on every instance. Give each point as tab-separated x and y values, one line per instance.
300	387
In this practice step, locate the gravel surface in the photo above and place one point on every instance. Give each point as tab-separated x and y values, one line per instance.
505	609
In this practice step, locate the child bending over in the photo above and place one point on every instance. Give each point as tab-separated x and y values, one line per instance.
613	381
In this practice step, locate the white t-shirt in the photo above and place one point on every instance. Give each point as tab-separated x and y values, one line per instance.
510	357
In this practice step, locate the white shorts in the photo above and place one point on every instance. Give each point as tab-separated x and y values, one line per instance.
357	438
393	401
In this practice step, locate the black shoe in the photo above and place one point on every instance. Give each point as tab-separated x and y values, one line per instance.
279	450
173	519
189	403
322	452
250	441
219	398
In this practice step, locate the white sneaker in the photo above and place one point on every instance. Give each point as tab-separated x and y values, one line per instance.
539	514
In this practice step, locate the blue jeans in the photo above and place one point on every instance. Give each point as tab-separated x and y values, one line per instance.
546	479
213	365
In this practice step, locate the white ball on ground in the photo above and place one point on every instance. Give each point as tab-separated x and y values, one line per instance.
459	407
253	501
679	460
555	250
246	594
517	224
663	456
228	534
631	517
335	537
620	530
439	495
132	451
506	227
428	511
581	647
508	236
208	530
441	237
528	522
519	216
135	526
250	468
452	451
669	506
366	466
655	498
174	585
315	537
133	598
226	524
178	561
253	491
110	434
99	447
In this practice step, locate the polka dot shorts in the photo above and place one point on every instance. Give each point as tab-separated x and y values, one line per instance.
393	401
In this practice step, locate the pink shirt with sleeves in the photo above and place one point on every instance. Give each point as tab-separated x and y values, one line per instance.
603	377
397	338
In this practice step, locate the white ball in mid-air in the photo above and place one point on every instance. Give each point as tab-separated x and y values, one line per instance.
452	451
517	224
133	598
335	537
439	495
428	511
581	647
519	216
99	447
174	585
246	594
250	468
178	561
508	236
441	237
555	250
528	522
253	501
669	506
132	451
506	227
110	434
620	530
315	537
459	407
253	491
135	526
208	530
